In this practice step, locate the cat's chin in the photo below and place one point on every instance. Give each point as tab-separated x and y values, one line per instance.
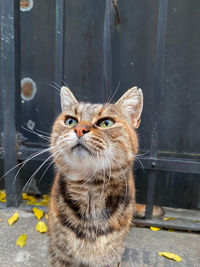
80	150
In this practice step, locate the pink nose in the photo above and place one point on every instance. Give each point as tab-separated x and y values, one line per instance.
80	130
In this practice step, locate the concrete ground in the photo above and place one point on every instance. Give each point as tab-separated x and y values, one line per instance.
141	247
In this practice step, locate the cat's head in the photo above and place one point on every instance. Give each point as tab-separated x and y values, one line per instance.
93	137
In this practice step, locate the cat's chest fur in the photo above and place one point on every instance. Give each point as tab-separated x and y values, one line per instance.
90	200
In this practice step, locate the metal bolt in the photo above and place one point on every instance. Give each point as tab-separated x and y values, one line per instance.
153	164
19	153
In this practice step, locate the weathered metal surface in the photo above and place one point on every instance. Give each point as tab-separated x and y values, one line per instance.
158	89
97	46
59	52
28	89
10	85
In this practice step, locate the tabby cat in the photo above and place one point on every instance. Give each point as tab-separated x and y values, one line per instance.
93	196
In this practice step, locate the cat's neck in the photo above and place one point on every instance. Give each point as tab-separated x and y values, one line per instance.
78	177
99	182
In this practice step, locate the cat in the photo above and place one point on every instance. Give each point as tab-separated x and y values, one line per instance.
93	195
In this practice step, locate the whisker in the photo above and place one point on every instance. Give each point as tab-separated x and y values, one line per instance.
138	160
58	90
10	170
50	165
33	175
104	181
23	162
58	87
110	170
64	83
111	98
92	174
36	129
145	153
125	178
39	135
28	159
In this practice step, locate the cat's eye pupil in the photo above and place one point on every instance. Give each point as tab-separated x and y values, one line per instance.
105	123
70	121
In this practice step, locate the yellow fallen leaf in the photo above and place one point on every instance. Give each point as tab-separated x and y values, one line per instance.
33	203
41	227
168	218
2	196
46	198
40	202
43	203
21	241
25	196
170	230
13	219
38	213
155	228
46	216
170	256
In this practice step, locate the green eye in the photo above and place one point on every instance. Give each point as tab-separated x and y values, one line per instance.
105	123
70	121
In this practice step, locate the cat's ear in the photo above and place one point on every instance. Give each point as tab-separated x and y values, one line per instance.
67	98
131	104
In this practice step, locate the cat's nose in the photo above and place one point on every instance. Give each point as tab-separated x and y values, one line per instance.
80	130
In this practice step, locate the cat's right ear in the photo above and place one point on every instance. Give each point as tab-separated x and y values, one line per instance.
131	104
67	98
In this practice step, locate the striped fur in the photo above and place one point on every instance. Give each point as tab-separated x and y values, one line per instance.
93	195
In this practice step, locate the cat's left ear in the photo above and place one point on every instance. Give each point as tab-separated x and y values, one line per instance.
67	98
131	105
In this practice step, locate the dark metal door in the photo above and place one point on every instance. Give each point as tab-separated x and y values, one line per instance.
96	47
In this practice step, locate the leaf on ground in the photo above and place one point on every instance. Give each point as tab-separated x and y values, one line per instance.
1	220
46	216
2	196
195	221
41	227
25	196
40	202
170	256
45	200
170	230
168	218
13	219
34	203
21	241
43	203
38	213
155	228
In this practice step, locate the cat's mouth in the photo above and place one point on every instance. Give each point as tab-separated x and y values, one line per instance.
80	150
